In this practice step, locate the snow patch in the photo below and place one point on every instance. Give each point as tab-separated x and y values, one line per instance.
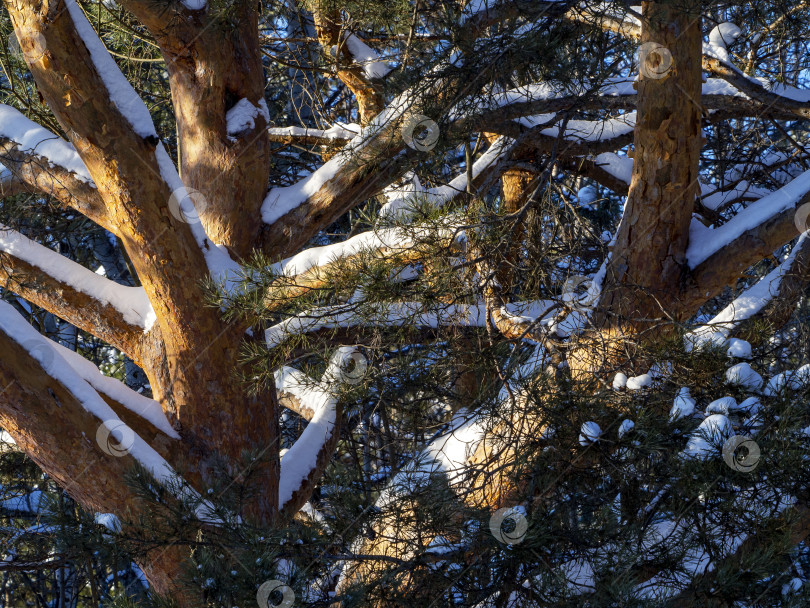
589	433
743	375
367	57
639	382
739	349
683	405
242	117
707	438
724	405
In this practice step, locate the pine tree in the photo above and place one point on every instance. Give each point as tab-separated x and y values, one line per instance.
441	304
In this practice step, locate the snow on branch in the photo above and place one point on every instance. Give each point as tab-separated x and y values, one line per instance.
282	200
618	167
449	453
530	99
365	56
121	93
745	306
131	303
585	131
148	409
775	95
397	314
127	101
718	198
36	140
220	264
393	314
337	134
292	387
705	242
372	160
312	450
400	200
13	325
452	452
716	60
389	241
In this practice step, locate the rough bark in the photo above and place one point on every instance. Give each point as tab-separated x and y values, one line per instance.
648	260
66	302
189	367
331	35
48	423
214	63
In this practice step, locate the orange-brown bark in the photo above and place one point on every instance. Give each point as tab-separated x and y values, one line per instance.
42	176
70	304
216	414
369	97
648	260
214	63
52	426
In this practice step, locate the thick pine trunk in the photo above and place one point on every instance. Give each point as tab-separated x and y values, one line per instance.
190	356
647	266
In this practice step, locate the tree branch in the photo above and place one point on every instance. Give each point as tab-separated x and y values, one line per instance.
331	36
117	314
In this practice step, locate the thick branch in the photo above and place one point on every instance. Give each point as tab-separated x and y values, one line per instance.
112	130
48	164
722	255
649	255
54	417
11	185
217	83
117	314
